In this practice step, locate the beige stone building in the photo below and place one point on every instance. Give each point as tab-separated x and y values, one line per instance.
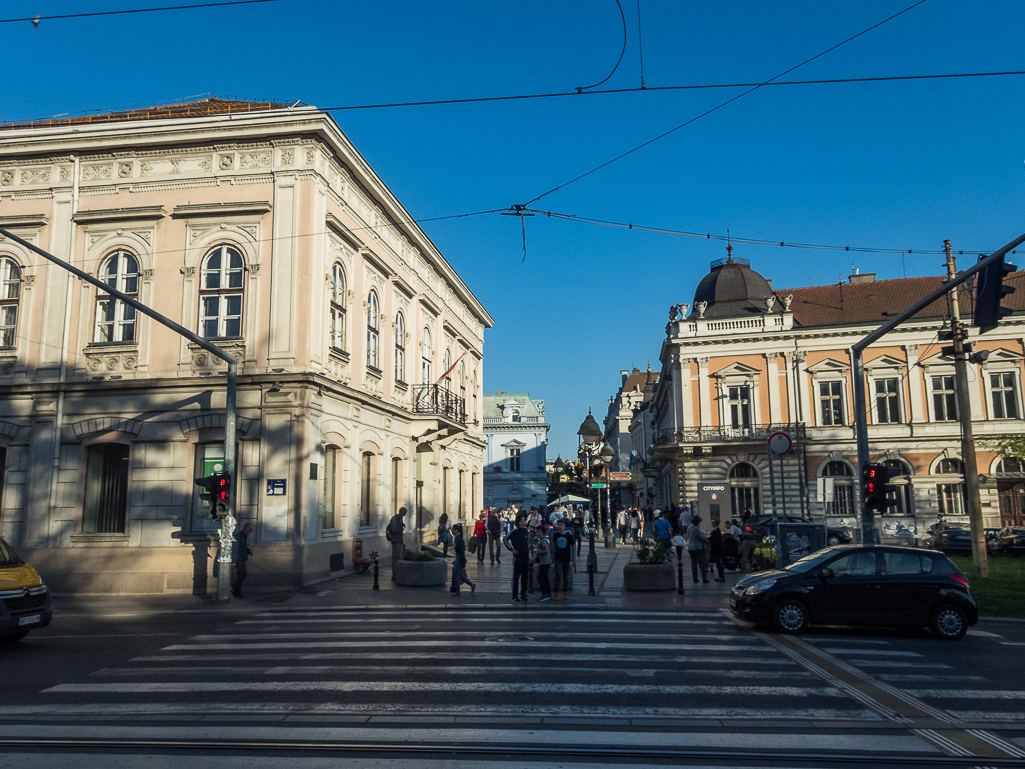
744	360
261	228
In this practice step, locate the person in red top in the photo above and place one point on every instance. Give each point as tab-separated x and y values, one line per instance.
480	531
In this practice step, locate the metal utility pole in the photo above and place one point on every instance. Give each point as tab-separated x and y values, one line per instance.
964	413
228	521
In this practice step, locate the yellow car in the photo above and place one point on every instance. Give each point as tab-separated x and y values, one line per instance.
24	599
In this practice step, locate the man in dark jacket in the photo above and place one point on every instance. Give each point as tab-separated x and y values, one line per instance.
494	525
394	531
518	541
715	551
240	553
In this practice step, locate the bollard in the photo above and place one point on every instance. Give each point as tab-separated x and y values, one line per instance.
679	576
376	585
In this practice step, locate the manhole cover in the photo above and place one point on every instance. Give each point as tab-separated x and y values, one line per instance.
509	638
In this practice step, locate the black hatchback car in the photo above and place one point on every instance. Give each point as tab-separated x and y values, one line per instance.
860	585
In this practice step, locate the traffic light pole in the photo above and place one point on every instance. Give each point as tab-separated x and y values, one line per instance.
868	528
228	521
964	412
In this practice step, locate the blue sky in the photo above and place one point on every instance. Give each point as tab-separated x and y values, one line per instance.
899	165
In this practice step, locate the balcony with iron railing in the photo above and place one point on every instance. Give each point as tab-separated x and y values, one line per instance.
438	400
728	434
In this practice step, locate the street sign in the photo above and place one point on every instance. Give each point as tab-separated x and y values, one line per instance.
780	444
599	485
620	476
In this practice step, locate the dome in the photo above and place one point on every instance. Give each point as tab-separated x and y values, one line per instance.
732	289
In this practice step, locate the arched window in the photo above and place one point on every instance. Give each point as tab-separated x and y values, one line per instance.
900	492
332	457
10	296
373	324
425	356
400	348
338	303
950	496
448	365
1010	465
115	321
842	505
744	489
220	295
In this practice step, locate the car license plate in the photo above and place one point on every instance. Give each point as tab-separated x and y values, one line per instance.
30	620
733	602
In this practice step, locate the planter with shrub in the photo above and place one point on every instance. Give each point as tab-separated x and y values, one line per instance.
652	572
420	569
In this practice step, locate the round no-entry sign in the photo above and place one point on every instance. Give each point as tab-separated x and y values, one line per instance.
780	444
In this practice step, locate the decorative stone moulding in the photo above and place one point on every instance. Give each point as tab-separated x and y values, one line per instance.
205	361
8	364
101	361
649	577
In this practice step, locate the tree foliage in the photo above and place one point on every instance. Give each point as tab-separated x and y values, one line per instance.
1007	445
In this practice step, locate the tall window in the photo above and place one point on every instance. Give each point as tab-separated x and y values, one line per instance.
209	460
514	460
366	496
1004	389
461	496
831	403
473	386
396	485
843	489
944	399
887	401
400	348
425	356
448	365
10	294
338	302
444	490
744	489
331	454
900	492
373	324
220	296
115	321
462	383
739	398
951	496
106	489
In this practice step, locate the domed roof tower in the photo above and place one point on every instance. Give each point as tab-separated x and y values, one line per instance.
732	289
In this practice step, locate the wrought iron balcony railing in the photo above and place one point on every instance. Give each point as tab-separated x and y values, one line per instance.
726	434
439	400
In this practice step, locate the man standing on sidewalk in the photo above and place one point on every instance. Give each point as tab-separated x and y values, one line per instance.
393	532
518	541
562	554
240	553
494	536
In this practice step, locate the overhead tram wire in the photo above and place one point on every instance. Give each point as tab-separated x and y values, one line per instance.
136	10
723	104
581	89
699	86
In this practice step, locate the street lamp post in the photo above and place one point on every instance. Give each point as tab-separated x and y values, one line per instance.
590	441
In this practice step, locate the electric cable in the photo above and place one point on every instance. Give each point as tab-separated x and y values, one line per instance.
36	19
581	89
640	43
723	104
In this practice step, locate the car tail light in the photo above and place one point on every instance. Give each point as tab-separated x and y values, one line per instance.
944	535
961	580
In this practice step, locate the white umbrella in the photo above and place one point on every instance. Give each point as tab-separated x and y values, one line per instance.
568	499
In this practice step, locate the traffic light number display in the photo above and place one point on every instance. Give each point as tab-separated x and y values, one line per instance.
876	486
215	490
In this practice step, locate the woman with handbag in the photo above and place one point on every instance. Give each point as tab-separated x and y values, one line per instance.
459	565
480	534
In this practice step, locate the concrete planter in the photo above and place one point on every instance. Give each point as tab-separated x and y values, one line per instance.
649	577
421	573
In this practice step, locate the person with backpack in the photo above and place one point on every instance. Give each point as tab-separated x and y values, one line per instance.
663	531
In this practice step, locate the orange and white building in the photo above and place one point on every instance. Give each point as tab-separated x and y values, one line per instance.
744	360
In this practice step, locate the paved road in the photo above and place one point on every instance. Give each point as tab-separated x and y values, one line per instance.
387	681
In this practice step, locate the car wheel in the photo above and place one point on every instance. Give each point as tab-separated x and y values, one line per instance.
949	623
790	616
13	637
833	540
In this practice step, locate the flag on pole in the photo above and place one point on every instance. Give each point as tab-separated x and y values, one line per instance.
442	377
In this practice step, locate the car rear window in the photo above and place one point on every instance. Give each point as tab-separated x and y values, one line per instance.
907	563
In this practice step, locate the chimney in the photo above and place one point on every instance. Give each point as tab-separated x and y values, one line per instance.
624	373
868	277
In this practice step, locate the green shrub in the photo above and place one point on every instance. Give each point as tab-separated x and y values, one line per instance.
650	551
417	555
